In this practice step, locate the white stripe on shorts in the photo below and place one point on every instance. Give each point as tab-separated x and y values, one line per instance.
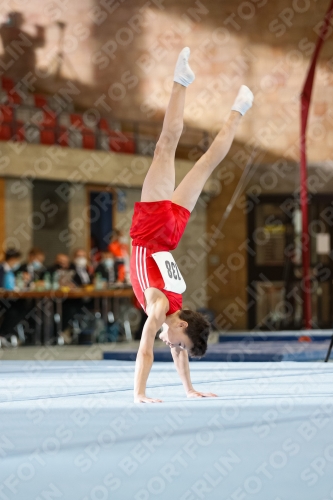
141	267
137	257
145	266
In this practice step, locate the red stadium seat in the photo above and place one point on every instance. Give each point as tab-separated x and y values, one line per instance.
41	118
77	121
6	114
49	119
122	143
7	83
40	101
5	132
47	136
88	141
14	97
103	124
82	123
129	146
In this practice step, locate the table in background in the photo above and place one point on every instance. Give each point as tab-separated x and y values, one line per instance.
48	301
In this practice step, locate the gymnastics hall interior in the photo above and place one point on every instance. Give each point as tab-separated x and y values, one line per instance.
84	86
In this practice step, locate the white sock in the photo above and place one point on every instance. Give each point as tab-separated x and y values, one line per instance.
243	101
183	73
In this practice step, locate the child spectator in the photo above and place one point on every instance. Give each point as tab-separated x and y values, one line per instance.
119	247
8	268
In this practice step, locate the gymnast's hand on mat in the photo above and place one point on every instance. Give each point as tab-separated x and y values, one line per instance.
197	394
144	399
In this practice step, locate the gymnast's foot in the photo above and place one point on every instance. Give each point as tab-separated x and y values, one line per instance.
243	101
183	73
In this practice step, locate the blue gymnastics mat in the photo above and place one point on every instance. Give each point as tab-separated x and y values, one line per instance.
279	336
69	430
245	350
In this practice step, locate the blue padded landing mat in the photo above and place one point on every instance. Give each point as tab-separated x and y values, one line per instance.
246	350
281	336
70	430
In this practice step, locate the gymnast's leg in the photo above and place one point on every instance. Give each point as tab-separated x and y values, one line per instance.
189	190
159	183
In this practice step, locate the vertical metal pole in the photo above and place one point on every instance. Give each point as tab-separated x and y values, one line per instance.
305	104
305	224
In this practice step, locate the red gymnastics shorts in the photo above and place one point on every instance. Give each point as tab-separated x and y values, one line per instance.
156	226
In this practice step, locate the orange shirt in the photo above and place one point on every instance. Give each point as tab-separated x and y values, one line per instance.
119	250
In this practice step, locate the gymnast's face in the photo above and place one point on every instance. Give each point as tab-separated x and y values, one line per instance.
174	335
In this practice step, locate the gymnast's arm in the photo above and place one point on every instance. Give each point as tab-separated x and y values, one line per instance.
156	309
180	358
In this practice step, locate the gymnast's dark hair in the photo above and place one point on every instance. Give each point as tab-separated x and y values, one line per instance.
197	331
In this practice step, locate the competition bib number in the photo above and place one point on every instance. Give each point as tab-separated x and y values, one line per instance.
173	280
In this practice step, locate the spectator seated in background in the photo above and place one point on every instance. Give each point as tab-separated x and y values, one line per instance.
60	272
108	270
33	269
12	312
82	275
119	247
61	263
8	267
